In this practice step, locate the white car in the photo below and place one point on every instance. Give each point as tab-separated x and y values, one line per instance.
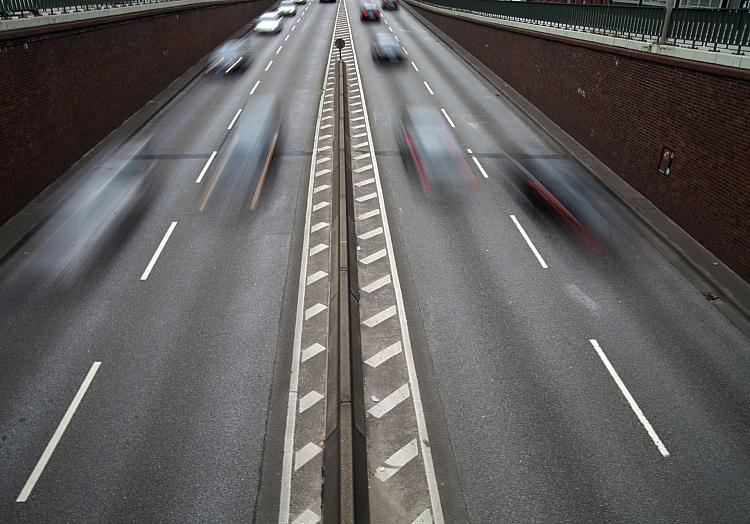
268	23
287	8
300	1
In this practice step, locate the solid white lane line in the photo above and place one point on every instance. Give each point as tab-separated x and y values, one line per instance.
529	242
428	87
383	355
155	257
484	173
205	167
279	49
268	66
448	118
383	407
57	435
633	404
236	116
257	83
414	66
424	439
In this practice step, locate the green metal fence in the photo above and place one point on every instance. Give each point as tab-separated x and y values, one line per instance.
708	28
23	8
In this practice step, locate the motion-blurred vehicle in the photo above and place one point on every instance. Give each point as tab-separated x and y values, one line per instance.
385	48
430	149
560	193
100	209
245	159
269	22
231	57
287	8
370	12
301	2
389	4
327	1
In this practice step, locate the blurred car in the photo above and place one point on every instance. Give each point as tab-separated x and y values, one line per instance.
370	12
302	2
560	192
327	1
269	22
100	209
385	48
429	148
245	158
230	57
287	8
389	4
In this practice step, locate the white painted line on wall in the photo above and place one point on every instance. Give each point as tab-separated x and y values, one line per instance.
155	257
481	169
447	118
633	404
205	167
529	242
236	116
57	435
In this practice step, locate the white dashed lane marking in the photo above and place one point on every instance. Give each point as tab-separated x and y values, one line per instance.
528	241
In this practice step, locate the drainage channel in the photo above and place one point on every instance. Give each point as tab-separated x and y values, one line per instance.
356	447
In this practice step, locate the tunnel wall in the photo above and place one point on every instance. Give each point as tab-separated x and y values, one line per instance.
624	106
65	88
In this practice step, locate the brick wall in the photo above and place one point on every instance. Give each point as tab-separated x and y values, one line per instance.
63	92
624	108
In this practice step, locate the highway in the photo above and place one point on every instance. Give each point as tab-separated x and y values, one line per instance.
546	382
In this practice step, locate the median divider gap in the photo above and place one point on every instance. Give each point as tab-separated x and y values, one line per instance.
345	487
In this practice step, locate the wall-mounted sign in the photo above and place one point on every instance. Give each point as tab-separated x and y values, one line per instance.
665	161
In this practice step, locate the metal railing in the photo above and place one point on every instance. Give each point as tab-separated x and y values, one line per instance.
712	29
24	8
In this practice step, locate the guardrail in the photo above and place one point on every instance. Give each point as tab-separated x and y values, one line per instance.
712	29
24	8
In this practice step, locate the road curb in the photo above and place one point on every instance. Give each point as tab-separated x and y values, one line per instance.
714	273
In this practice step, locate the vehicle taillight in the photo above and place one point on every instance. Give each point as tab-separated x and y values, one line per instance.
364	12
377	13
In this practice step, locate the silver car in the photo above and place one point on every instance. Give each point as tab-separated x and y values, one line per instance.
287	8
269	23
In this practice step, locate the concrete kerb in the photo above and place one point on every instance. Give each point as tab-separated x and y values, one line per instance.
26	222
730	286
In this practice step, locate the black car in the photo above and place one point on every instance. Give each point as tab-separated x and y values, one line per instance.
385	48
389	4
370	12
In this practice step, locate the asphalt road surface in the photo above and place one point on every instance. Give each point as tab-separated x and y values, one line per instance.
557	384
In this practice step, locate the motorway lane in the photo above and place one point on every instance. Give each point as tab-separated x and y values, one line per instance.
538	428
173	424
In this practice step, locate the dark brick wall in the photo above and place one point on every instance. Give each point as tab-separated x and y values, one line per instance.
61	93
625	108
